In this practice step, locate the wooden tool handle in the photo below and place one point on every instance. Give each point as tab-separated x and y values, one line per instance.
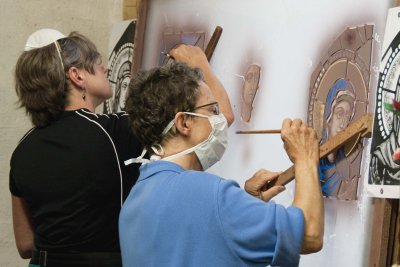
275	131
284	178
362	126
212	44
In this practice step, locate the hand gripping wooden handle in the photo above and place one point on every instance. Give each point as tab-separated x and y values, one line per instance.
362	126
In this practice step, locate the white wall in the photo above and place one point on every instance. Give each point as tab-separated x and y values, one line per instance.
287	38
19	18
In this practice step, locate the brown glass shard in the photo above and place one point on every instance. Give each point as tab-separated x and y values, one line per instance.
249	90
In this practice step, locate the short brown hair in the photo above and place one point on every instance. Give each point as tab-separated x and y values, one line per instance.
155	97
40	79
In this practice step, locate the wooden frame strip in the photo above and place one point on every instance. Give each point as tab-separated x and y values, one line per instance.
139	36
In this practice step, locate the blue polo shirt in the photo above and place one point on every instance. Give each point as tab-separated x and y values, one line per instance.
176	217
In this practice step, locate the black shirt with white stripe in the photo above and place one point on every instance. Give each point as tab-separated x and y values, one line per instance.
72	176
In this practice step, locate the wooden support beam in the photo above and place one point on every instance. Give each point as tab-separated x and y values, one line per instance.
392	231
396	235
139	36
380	232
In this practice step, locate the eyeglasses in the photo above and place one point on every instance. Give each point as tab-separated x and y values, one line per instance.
214	108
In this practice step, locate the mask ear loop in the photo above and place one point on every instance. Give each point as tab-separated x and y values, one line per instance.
172	123
168	127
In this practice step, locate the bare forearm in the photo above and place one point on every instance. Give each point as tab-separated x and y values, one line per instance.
308	198
219	93
23	228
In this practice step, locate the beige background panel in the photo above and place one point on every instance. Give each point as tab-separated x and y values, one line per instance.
129	9
19	18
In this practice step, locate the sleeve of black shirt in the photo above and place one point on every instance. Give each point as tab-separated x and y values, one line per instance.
13	188
127	146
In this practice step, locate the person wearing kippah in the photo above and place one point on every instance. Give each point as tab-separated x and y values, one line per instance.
68	179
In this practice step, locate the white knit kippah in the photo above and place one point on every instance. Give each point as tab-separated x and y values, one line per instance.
42	38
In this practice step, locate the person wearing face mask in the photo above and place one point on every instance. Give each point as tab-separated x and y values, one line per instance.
179	215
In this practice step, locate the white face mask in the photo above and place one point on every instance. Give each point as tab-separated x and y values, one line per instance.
209	151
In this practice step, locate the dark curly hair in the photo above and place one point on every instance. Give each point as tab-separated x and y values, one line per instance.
40	79
155	97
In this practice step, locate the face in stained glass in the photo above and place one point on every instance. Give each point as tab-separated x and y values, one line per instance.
339	95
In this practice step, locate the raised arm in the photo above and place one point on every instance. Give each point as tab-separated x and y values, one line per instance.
23	229
195	57
301	145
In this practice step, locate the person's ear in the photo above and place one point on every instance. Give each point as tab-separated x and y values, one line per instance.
183	123
76	77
